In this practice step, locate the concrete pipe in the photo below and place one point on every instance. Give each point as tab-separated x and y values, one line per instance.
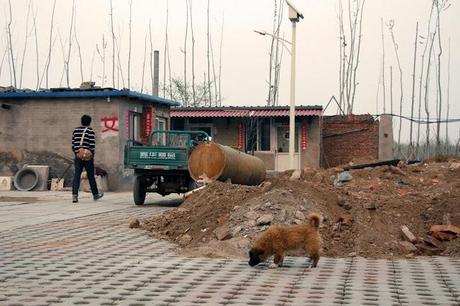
26	179
217	162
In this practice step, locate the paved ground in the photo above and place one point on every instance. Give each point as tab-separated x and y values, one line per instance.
55	253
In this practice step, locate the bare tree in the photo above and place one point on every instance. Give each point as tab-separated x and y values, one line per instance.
48	62
395	45
383	66
378	94
194	94
208	54
101	52
422	75
143	64
92	65
440	6
391	90
3	59
113	43
186	100
214	77
427	85
275	54
411	145
120	67
220	60
37	56
10	41
79	48
350	52
448	99
342	45
129	47
358	51
67	59
63	58
166	60
151	60
26	39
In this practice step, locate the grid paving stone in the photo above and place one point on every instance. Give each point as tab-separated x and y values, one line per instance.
98	260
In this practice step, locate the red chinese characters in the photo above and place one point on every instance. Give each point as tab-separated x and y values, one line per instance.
110	124
304	137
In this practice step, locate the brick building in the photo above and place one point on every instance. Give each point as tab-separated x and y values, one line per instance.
356	138
43	121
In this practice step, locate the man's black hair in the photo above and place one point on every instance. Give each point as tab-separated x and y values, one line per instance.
85	120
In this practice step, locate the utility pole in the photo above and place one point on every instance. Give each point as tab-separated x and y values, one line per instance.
294	17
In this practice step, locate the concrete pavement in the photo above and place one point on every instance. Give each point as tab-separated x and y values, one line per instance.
55	253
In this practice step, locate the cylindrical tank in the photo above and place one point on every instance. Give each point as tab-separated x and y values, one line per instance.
218	162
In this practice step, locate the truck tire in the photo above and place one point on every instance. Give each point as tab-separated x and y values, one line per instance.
139	191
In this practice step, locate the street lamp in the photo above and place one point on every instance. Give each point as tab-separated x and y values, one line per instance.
294	17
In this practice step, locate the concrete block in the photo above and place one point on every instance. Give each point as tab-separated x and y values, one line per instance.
43	175
57	185
6	183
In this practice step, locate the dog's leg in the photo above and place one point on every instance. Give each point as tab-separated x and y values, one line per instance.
278	260
315	259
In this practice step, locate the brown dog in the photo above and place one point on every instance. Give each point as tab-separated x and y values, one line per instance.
279	239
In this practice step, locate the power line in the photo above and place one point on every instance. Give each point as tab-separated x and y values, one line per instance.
420	120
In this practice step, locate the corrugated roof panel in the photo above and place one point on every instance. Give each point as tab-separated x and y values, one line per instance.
177	113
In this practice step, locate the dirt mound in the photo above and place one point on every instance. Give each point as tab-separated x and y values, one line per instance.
362	217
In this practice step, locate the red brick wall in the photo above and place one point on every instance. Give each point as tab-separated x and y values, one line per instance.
360	144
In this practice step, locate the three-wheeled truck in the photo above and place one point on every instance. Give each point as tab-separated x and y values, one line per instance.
161	166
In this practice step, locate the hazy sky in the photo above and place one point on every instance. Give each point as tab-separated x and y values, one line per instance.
244	54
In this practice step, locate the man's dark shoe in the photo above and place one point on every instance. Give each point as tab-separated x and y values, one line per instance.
98	196
74	198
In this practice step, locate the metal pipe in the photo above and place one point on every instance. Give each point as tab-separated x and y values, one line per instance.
212	161
292	164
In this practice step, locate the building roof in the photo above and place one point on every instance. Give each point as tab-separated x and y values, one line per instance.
257	111
79	93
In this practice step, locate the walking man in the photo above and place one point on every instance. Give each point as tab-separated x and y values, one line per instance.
84	147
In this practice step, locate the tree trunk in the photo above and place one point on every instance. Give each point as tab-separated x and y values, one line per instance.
208	55
383	66
194	97
69	53
113	44
129	47
411	148
10	40
26	39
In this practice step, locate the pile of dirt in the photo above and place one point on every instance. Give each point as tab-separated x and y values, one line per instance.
362	216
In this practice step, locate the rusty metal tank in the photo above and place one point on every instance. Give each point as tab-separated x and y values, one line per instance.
217	162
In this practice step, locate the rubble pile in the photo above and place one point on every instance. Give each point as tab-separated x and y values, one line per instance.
381	212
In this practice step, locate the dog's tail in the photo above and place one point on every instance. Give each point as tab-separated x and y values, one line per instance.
314	219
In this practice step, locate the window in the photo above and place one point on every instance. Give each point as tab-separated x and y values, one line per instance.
134	126
160	125
207	129
264	135
283	139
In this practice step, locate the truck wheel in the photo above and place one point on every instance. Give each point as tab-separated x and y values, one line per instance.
139	191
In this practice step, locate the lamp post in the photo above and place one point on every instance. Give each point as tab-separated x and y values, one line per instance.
294	17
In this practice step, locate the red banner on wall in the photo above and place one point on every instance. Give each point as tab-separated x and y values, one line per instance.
148	122
241	137
304	137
